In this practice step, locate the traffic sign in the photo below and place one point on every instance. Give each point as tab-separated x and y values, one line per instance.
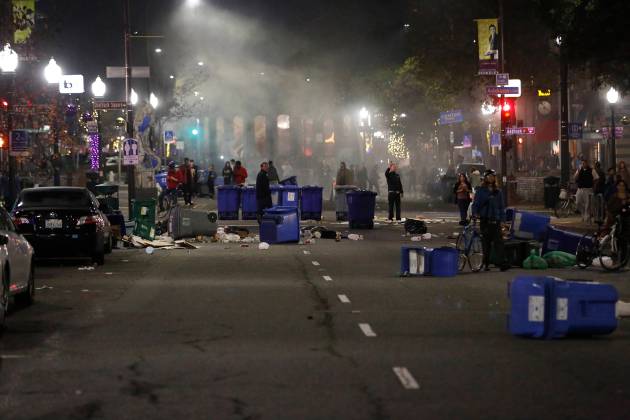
169	137
105	105
575	131
515	131
618	132
451	117
131	152
502	79
502	90
20	143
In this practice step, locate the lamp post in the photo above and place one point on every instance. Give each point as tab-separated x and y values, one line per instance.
98	91
52	74
612	96
8	65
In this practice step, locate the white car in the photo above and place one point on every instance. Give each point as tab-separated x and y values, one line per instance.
16	262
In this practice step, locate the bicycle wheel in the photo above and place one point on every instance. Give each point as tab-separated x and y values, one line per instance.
461	247
586	251
475	254
612	254
560	210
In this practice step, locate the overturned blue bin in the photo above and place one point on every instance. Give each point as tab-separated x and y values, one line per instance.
228	201
528	225
249	206
547	307
422	261
279	225
361	206
289	196
311	202
561	240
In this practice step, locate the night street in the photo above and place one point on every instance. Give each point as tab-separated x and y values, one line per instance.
230	332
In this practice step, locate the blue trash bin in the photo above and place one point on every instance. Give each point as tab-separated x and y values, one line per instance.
279	225
228	201
527	225
160	179
444	262
547	307
292	180
311	202
560	240
289	196
276	190
361	206
249	206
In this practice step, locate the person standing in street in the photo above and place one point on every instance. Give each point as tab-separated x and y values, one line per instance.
56	163
585	178
362	177
489	208
622	171
344	175
186	179
263	191
227	174
272	174
211	177
240	173
462	192
475	180
394	191
195	173
172	182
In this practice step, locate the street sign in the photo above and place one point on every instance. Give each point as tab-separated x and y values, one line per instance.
502	79
502	90
517	84
169	137
32	109
20	143
515	131
106	105
495	140
71	83
451	117
119	72
618	132
467	140
575	131
92	127
131	152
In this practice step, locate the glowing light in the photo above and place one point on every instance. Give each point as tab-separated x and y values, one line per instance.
133	97
95	158
506	107
397	147
488	109
193	3
153	100
612	96
171	77
52	72
200	63
403	115
195	132
8	59
98	88
364	113
158	50
284	122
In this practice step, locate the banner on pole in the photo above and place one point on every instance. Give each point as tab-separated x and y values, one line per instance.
488	44
23	20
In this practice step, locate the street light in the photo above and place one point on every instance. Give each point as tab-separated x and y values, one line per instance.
133	97
364	113
52	72
158	50
98	88
153	100
193	3
488	109
8	59
612	96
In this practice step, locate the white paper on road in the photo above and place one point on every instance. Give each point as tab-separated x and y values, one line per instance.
306	252
367	330
327	278
406	378
344	298
315	263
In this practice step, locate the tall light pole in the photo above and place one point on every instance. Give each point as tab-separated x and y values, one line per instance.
612	96
52	74
8	65
564	113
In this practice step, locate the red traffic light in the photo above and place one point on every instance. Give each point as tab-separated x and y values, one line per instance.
4	103
506	107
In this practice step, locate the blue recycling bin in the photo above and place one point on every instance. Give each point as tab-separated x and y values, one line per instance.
289	196
547	307
228	201
527	225
311	202
292	180
361	206
560	240
249	206
444	262
276	192
160	179
280	225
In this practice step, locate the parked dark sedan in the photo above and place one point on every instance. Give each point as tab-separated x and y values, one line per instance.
63	222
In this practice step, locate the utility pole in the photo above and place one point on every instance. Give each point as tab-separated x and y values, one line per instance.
613	138
564	115
131	173
502	129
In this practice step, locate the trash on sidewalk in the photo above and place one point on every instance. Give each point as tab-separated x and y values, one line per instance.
149	250
86	268
415	226
160	242
263	246
535	262
559	259
355	237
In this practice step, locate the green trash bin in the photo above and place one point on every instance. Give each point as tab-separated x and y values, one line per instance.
144	218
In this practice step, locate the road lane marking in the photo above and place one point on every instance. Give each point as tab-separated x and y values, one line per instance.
343	298
306	252
406	378
327	278
367	330
13	356
315	263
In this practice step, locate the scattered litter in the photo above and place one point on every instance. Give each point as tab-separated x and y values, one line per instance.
109	273
416	238
317	235
86	268
181	244
84	290
426	236
125	260
44	287
263	245
355	237
150	250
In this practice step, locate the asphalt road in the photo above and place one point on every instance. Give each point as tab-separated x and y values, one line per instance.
295	332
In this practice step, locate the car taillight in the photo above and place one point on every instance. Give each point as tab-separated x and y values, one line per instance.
21	221
88	220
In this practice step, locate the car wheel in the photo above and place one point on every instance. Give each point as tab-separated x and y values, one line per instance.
99	257
27	297
4	299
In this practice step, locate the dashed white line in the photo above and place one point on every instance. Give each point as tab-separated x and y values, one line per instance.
343	298
315	263
367	330
406	378
13	356
327	278
306	252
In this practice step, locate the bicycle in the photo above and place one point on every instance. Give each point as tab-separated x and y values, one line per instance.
566	205
470	248
612	249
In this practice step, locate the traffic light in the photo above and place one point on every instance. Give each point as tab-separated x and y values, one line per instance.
508	113
5	104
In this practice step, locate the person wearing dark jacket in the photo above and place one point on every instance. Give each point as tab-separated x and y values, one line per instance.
227	174
394	191
263	191
489	207
272	174
462	192
211	177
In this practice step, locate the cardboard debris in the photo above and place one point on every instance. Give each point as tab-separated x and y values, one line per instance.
161	242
